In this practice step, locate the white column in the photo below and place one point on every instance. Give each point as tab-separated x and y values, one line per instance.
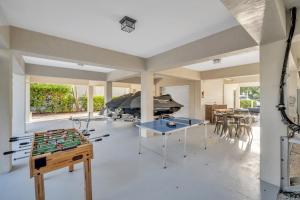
90	99
197	90
5	108
28	114
157	89
147	90
271	59
108	91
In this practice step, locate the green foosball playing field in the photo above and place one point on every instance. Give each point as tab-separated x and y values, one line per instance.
56	140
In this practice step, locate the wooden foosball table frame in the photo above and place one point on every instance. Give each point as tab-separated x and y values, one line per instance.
44	163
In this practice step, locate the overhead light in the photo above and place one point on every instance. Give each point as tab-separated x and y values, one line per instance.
216	60
127	24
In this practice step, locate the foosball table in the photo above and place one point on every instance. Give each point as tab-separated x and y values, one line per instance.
55	149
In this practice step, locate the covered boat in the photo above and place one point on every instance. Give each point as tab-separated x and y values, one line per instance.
131	104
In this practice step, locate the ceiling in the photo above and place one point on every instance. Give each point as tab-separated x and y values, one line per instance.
292	3
161	25
62	64
227	61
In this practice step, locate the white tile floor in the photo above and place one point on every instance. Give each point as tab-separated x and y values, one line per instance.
227	170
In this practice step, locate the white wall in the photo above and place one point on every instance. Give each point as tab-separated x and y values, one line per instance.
229	97
135	87
213	93
194	92
82	90
180	94
99	90
118	91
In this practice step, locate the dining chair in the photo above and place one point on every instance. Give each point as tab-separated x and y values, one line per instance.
246	125
219	123
232	125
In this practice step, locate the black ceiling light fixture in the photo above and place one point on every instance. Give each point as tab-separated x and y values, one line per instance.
127	24
217	61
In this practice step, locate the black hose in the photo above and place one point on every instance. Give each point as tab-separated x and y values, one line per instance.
281	106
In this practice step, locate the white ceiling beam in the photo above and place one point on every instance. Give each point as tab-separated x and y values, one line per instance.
46	46
242	70
181	73
39	70
57	80
118	75
230	40
249	14
264	20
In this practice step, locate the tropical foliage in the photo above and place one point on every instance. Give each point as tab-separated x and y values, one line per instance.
251	97
251	92
248	103
52	98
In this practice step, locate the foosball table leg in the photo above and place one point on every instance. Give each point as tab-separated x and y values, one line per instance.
71	168
39	187
88	179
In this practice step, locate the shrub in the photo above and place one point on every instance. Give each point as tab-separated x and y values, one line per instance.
83	103
246	103
98	102
50	98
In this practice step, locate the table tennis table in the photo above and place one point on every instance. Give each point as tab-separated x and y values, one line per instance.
162	127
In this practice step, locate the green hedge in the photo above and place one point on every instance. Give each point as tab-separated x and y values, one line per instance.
52	98
246	103
98	102
83	103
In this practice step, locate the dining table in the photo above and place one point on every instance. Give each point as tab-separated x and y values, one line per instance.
237	119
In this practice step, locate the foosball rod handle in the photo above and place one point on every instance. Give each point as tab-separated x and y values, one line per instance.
97	140
24	143
15	139
21	157
101	136
9	152
14	151
18	137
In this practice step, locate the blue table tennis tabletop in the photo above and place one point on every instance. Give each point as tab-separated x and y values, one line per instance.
160	125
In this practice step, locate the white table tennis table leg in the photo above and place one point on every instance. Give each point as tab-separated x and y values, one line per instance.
140	141
184	145
165	137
